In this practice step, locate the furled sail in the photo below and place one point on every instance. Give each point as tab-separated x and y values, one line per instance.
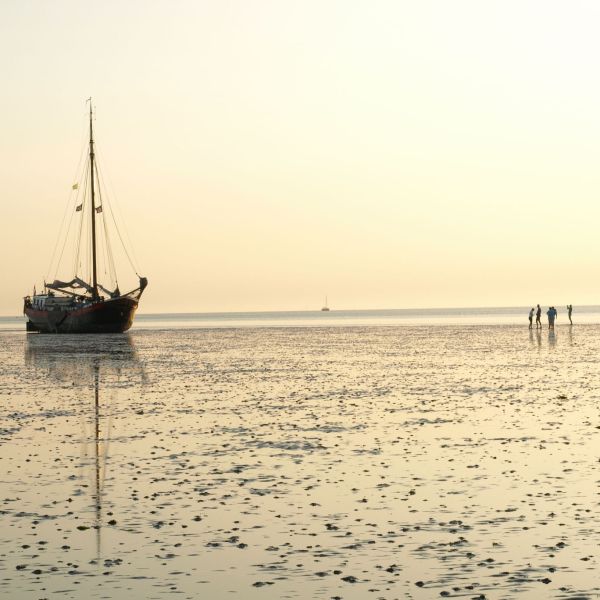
76	284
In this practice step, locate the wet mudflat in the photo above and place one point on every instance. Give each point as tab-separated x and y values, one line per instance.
375	462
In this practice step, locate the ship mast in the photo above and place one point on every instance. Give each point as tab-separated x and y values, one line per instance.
94	275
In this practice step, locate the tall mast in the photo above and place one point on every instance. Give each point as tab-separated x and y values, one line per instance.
94	276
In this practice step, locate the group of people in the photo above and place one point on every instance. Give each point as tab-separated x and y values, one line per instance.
552	315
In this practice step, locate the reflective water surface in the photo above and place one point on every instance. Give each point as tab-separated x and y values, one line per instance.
588	315
346	462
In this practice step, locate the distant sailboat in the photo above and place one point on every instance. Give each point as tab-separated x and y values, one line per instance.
77	305
325	306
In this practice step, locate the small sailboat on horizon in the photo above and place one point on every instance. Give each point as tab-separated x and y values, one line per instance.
325	306
82	304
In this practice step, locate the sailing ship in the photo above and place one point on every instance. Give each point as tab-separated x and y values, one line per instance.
325	306
82	304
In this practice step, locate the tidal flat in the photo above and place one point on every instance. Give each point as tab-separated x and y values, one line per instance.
318	462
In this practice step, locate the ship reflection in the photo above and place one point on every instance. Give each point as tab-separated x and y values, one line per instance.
99	365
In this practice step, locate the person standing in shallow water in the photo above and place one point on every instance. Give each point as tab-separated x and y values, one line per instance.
531	318
538	317
551	316
569	312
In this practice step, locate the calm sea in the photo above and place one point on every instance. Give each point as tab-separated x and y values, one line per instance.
343	318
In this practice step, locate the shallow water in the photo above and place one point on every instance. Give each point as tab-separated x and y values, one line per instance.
343	462
588	315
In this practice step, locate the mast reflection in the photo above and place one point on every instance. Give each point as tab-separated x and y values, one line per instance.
97	363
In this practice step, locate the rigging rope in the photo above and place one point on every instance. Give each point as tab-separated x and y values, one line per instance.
78	243
69	201
59	237
50	269
133	261
110	259
110	210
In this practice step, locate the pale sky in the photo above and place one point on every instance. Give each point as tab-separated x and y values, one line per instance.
265	154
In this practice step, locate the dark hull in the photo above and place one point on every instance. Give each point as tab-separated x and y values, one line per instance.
109	316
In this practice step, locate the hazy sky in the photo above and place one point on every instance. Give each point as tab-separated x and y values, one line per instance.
267	153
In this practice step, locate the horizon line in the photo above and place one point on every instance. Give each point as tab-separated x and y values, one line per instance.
332	310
